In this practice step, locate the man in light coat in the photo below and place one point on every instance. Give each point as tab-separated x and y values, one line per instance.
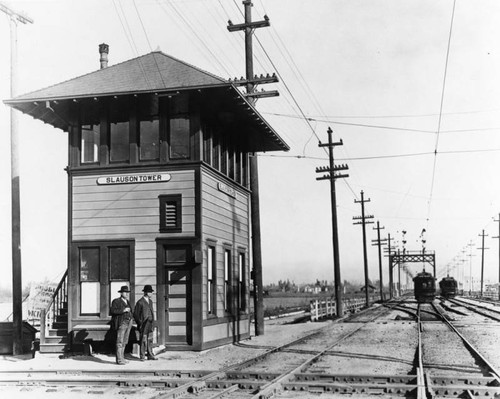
121	321
144	317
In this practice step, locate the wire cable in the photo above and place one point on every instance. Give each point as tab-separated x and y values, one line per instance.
149	43
441	109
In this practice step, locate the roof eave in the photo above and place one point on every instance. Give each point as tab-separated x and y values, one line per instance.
280	143
172	90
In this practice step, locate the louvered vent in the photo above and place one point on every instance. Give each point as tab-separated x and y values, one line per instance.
170	213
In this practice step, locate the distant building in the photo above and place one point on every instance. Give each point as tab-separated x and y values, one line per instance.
158	193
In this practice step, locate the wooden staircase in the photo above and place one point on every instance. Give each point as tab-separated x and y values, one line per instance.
54	337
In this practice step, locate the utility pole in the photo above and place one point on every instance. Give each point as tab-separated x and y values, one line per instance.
379	242
363	221
391	282
482	260
470	245
17	300
498	237
332	176
251	81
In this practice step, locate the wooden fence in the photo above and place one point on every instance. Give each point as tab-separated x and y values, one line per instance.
321	308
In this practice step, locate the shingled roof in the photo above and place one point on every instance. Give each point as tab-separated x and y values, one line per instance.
152	72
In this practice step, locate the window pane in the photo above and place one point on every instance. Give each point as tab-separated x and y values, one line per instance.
215	152
149	139
114	287
175	255
89	264
119	139
90	303
179	138
90	143
119	263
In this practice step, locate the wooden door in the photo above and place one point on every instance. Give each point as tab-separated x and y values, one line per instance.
178	298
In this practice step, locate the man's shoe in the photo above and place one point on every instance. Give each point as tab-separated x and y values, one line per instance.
152	358
121	363
142	359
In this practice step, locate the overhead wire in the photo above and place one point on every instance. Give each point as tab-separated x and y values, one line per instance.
441	109
295	100
130	39
207	52
415	154
149	43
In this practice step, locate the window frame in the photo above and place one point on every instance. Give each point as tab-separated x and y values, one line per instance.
242	280
105	294
211	280
227	279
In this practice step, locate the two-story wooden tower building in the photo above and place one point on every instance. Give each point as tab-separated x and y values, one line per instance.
158	193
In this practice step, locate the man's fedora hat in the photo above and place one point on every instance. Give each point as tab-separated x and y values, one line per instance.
148	288
124	289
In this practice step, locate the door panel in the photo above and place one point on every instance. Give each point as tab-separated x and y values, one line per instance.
178	301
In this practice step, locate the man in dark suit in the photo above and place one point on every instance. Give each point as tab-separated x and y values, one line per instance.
144	317
121	321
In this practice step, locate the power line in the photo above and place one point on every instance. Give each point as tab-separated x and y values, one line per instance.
130	39
149	43
415	154
441	109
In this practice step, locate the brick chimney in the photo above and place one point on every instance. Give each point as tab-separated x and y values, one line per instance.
103	50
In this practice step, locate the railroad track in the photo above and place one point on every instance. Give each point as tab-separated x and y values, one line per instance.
291	368
306	367
449	365
486	311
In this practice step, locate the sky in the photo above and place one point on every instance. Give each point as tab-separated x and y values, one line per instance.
411	87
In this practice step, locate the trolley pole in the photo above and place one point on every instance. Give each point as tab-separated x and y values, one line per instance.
498	237
331	175
251	82
482	260
379	242
363	220
17	300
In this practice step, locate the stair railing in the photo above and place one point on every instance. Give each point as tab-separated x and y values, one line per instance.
49	314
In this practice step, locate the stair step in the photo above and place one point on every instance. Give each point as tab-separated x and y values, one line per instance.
54	348
57	332
57	340
59	325
61	318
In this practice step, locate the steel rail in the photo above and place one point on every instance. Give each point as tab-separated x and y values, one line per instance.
469	346
181	382
473	306
421	382
276	385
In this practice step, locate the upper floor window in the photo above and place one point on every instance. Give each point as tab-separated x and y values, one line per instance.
149	129
119	136
179	128
91	138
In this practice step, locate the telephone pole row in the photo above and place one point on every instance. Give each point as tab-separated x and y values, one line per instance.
332	175
380	242
482	259
364	220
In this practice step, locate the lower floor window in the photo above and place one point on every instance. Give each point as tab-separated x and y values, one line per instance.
103	267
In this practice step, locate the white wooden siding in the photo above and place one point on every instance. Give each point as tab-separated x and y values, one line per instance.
226	220
131	211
